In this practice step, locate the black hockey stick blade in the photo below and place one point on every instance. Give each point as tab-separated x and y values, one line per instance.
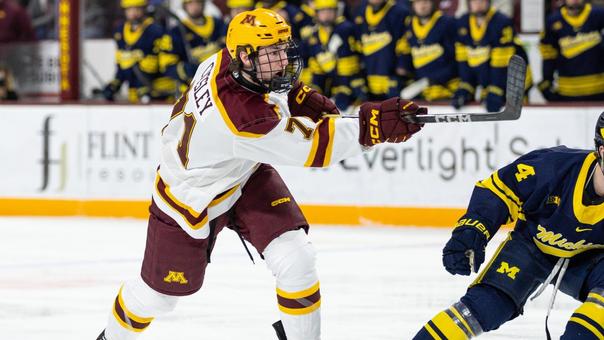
514	95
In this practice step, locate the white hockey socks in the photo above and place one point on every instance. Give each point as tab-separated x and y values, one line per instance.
135	306
291	258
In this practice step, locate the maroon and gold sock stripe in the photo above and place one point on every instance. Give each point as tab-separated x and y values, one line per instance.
126	318
301	302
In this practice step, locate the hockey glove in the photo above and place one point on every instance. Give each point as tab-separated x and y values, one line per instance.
494	102
383	121
461	98
545	86
111	89
307	102
465	250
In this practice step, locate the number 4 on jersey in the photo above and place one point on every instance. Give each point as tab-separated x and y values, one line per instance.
524	171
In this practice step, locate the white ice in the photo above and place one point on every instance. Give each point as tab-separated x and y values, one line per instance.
59	277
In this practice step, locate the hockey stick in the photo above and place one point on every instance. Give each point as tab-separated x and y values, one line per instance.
514	94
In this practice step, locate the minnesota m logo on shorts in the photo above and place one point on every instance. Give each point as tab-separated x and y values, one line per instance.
510	271
176	277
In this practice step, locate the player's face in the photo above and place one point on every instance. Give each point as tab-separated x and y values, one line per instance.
376	2
573	3
326	16
272	61
134	13
479	6
422	8
194	9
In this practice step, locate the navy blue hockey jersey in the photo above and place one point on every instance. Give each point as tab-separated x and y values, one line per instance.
380	35
550	195
192	44
483	53
138	57
429	52
573	48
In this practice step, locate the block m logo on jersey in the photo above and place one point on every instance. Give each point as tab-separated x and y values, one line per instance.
505	268
176	277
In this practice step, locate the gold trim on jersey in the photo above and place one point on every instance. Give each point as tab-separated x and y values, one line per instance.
374	42
478	55
348	66
550	243
425	54
581	85
374	18
204	30
505	194
590	214
572	46
132	36
461	52
548	51
179	204
477	32
576	21
220	105
500	56
422	31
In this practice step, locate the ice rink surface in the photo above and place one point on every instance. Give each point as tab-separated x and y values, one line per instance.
59	277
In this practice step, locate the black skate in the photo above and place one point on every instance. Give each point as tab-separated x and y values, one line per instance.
278	326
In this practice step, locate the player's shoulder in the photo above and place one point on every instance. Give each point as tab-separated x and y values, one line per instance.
558	157
501	20
245	112
553	18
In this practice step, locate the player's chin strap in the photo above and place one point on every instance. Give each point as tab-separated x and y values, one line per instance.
560	269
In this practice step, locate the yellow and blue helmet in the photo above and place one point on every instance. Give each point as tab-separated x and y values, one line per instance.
133	3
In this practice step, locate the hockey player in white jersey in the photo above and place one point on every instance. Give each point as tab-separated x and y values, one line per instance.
245	110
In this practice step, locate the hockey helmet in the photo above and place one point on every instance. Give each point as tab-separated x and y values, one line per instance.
325	4
133	3
251	30
240	3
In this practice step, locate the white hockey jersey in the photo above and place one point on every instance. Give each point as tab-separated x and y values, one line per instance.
219	132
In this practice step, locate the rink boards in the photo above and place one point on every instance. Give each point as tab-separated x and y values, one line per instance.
62	160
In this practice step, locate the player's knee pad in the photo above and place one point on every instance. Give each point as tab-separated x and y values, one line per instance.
455	323
587	322
490	306
291	258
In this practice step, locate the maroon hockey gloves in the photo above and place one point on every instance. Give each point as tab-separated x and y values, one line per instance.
307	102
382	121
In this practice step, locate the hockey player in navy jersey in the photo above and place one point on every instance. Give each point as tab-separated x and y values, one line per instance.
555	197
333	63
429	50
485	42
572	49
245	110
194	39
380	26
141	44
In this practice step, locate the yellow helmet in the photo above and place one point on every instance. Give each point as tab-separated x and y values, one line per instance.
251	30
133	3
324	4
240	3
257	28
